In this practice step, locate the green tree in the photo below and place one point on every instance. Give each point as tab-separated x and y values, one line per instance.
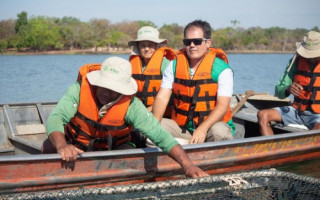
173	33
40	33
235	23
3	45
146	23
21	21
69	29
99	29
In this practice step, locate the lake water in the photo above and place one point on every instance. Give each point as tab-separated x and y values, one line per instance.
43	78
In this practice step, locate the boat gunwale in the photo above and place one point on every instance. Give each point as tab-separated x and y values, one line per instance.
155	150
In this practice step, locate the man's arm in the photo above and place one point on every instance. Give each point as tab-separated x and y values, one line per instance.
67	151
61	115
216	115
138	116
161	102
179	155
282	88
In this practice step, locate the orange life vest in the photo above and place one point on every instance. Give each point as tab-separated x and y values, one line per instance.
87	130
195	98
149	80
310	81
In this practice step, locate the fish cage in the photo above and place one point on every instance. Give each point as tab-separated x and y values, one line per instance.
265	184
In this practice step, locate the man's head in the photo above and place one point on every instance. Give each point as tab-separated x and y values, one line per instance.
197	39
113	77
309	48
147	42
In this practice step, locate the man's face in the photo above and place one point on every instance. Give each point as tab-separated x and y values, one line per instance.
105	96
147	49
196	52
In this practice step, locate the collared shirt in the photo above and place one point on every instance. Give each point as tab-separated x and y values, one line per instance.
137	115
104	108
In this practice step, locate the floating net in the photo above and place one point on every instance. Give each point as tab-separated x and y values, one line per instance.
266	184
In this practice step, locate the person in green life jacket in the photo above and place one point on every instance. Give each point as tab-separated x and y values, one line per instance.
202	83
301	79
98	111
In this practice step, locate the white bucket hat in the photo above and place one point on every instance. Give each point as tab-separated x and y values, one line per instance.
115	74
147	33
310	47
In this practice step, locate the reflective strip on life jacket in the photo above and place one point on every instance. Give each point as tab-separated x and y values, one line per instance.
195	98
90	132
309	79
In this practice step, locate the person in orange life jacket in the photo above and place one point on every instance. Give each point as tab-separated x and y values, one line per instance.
202	84
301	79
98	111
149	58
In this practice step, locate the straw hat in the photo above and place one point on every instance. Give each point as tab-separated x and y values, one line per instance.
115	74
310	47
147	33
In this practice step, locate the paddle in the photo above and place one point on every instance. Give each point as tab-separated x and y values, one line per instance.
248	93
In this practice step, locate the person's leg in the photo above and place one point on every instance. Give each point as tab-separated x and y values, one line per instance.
311	120
265	116
174	129
219	131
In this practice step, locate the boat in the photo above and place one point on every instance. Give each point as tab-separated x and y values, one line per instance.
24	169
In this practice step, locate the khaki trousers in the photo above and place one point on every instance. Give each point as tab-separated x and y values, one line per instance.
219	131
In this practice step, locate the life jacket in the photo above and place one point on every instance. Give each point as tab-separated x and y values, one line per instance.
309	79
149	80
195	98
87	130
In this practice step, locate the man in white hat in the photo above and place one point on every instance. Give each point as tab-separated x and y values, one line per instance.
98	111
302	80
149	59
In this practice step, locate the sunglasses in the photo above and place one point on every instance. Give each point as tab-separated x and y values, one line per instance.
195	41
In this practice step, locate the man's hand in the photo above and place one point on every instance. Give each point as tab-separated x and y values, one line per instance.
190	170
69	152
199	136
194	172
295	89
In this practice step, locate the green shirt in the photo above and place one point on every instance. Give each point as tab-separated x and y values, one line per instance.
137	115
286	80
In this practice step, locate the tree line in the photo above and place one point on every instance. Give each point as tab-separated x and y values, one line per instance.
41	33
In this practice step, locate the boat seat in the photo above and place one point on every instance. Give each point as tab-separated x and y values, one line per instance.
30	129
31	140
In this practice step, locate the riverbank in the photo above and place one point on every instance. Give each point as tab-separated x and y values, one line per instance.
121	51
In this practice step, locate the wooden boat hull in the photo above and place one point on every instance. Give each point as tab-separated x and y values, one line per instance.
95	169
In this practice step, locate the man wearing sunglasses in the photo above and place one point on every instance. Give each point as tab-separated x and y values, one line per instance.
202	83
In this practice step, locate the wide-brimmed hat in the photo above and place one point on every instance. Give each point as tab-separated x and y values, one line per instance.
310	46
147	33
115	74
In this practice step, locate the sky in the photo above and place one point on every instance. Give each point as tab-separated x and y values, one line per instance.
290	14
